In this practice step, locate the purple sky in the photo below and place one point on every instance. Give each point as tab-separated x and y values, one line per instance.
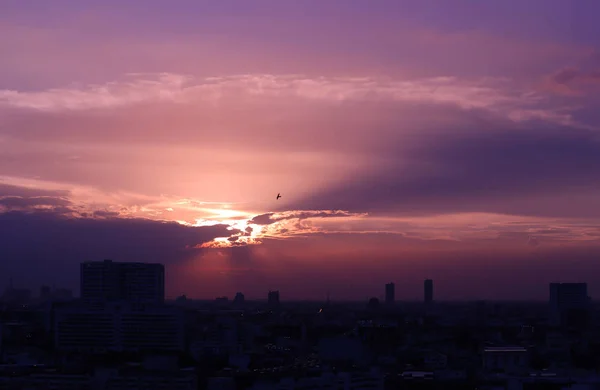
455	140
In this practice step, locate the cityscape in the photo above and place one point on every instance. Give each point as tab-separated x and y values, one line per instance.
299	195
119	332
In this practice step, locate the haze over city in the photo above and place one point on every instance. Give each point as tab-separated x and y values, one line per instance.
409	140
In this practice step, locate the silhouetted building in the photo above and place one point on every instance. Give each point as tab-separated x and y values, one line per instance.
18	296
390	293
569	295
62	294
428	290
239	298
45	293
273	298
118	327
373	304
111	281
569	303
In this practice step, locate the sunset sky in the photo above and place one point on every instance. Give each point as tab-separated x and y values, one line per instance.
457	140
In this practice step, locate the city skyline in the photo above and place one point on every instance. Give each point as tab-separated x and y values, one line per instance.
455	141
109	281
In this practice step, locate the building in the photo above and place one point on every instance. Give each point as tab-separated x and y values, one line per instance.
569	302
239	298
569	295
45	293
111	281
273	298
118	327
390	294
506	359
428	290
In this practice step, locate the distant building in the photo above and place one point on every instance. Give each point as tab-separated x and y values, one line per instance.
239	298
569	302
111	281
273	298
569	295
62	294
16	296
428	290
45	293
390	294
118	327
507	359
373	304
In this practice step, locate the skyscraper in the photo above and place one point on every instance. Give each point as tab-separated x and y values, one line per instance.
569	295
111	281
428	290
273	298
568	301
390	293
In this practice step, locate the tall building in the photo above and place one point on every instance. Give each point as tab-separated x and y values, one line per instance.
428	290
111	281
569	295
390	293
273	298
569	302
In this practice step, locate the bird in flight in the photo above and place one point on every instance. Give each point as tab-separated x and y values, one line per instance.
278	196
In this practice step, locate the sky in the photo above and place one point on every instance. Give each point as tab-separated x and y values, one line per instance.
455	140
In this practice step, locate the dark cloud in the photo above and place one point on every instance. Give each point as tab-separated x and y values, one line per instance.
538	170
570	74
269	218
566	75
105	214
21	202
47	247
27	192
532	241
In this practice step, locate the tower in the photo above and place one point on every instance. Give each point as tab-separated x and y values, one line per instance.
390	293
428	291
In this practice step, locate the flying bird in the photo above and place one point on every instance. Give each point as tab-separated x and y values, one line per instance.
278	196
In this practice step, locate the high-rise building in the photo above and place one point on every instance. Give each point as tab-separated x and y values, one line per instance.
428	290
111	281
569	295
569	302
273	298
390	293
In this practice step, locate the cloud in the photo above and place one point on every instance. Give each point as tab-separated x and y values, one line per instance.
570	74
24	191
532	241
532	170
572	81
498	95
17	202
270	218
37	246
249	129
